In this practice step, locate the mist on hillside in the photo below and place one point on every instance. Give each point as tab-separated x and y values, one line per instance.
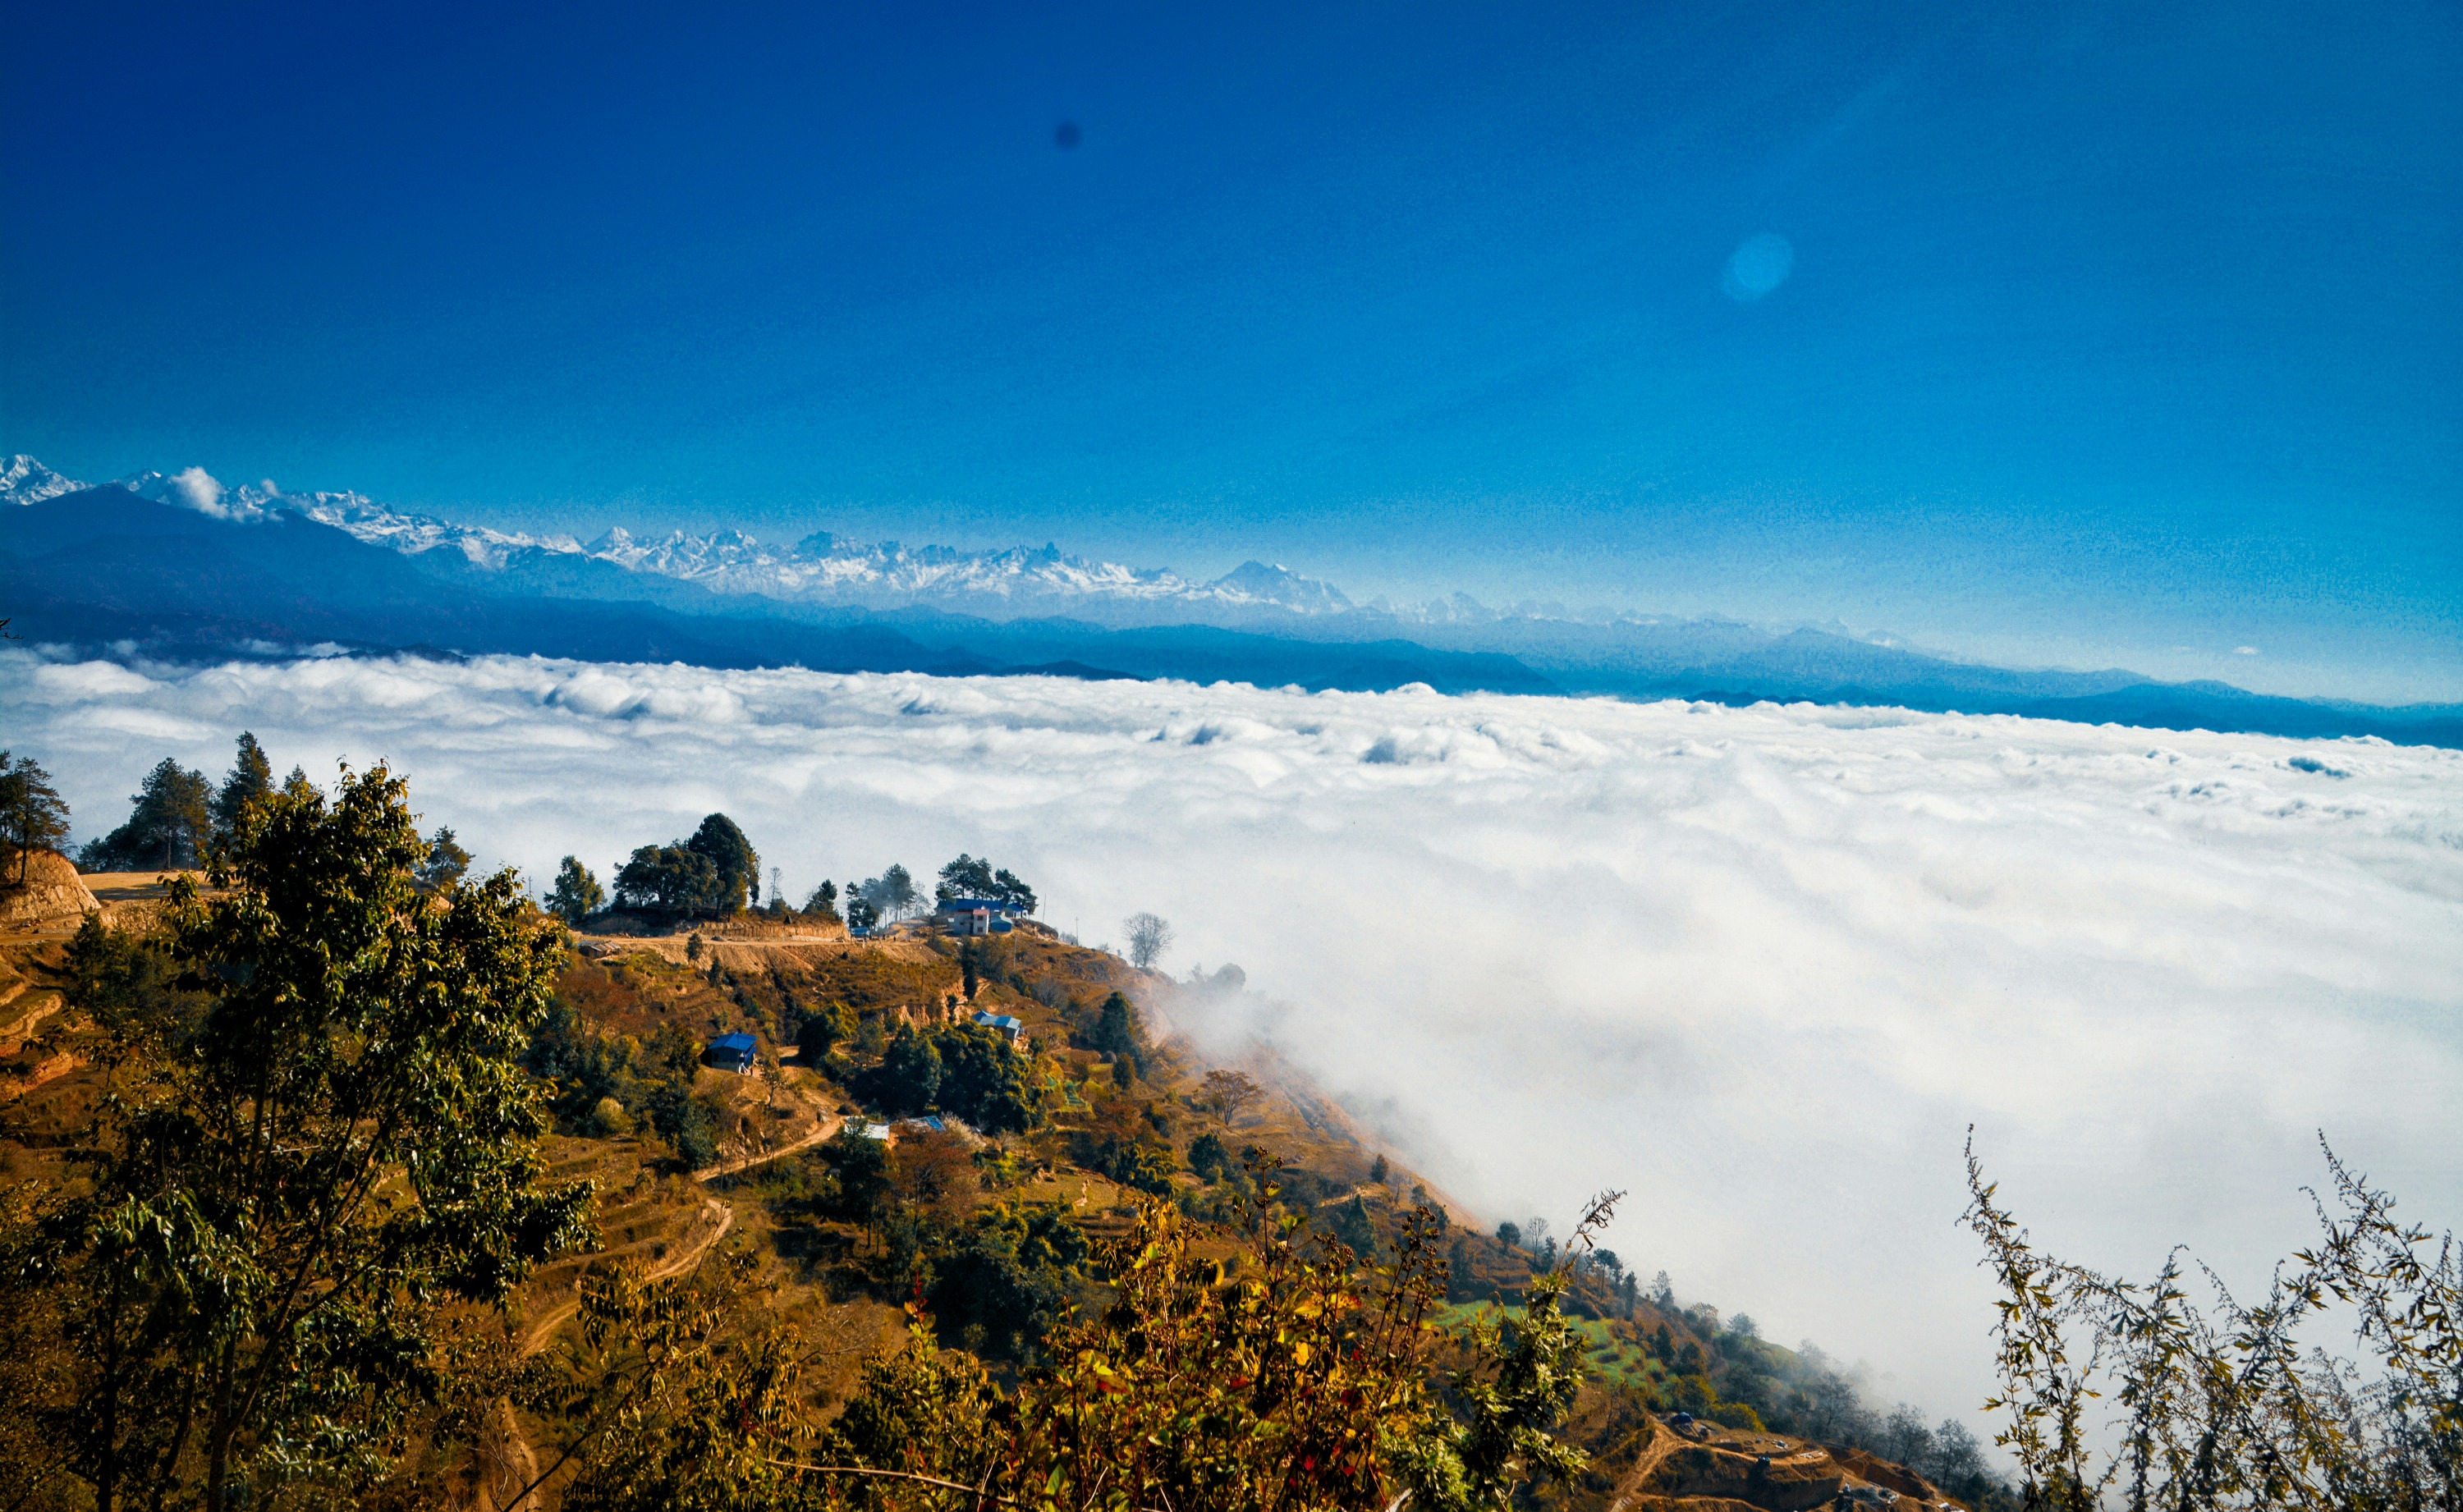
1761	966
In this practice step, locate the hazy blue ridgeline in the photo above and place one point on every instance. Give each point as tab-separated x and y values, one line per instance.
104	568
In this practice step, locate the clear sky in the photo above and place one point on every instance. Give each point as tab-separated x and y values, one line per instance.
2071	334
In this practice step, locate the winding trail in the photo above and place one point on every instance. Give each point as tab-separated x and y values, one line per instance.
536	1338
825	1127
509	1469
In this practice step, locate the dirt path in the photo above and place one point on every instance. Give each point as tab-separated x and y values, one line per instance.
509	1465
1662	1444
825	1125
825	1130
541	1331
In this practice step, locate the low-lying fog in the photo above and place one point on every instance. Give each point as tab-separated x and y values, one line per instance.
1761	966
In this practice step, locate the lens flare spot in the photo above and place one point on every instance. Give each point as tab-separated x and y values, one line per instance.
1757	266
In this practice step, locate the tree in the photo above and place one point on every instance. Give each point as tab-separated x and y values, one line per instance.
251	782
280	1216
169	825
447	861
577	894
908	1080
989	1082
963	878
1010	890
1117	1029
891	895
32	818
1282	1377
968	876
670	879
1208	1157
738	868
824	902
1150	937
1228	1092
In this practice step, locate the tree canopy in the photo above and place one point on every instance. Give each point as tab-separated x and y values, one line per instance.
1150	937
670	879
169	828
969	877
732	855
446	860
711	875
251	782
577	894
32	818
342	1144
891	895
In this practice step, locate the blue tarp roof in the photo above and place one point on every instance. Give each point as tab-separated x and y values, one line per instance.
969	905
742	1043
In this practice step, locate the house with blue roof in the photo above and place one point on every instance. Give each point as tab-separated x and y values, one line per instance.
1008	1029
974	915
732	1052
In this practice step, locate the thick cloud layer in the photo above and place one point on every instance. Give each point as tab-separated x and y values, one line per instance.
1761	966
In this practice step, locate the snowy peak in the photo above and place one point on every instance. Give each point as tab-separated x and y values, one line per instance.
1280	585
820	569
25	481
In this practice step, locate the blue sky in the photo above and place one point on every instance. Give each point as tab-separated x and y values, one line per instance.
2076	335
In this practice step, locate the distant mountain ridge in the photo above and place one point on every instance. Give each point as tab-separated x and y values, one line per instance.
821	569
175	567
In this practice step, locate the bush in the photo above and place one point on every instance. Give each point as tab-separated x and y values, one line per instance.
1208	1157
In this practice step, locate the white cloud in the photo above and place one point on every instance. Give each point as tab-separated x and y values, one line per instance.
198	490
1762	967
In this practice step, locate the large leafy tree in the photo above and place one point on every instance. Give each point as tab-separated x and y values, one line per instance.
32	814
669	879
171	824
738	867
577	894
281	1211
988	1081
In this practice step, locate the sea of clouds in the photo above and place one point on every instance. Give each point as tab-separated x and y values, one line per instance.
1764	967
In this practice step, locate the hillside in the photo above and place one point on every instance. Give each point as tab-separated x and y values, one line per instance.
831	1183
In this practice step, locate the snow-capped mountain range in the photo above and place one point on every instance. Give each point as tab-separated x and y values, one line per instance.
820	569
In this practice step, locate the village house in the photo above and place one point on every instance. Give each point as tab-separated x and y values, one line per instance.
1008	1029
730	1052
974	915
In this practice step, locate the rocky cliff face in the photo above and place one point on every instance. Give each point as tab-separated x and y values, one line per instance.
52	898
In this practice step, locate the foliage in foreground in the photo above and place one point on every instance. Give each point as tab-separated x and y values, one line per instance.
317	1139
2222	1406
1290	1378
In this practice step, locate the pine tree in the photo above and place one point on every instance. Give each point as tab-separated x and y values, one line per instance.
251	782
169	828
32	818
